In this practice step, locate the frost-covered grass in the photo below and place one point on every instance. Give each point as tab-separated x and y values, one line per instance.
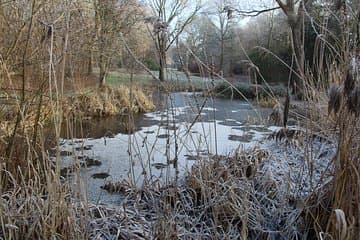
176	79
258	193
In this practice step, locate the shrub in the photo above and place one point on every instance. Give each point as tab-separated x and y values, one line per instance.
271	69
238	68
151	64
249	91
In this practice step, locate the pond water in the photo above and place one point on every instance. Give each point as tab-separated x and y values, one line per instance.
185	126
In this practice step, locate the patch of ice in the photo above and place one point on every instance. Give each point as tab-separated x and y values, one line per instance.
209	109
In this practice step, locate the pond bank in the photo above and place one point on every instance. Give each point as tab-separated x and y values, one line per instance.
257	193
107	101
97	103
245	91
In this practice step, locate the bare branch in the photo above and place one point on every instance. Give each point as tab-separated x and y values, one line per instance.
254	13
282	6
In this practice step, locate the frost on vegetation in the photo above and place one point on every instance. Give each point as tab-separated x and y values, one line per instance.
254	193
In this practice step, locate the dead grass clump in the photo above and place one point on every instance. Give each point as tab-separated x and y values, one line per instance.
31	210
36	112
222	190
336	213
226	198
108	102
117	187
120	223
268	102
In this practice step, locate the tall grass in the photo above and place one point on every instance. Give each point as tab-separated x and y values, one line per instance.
335	211
35	200
334	104
38	209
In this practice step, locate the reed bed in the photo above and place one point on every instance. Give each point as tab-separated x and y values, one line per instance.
335	210
96	103
107	101
31	209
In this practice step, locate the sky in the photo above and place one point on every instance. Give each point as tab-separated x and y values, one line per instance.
243	5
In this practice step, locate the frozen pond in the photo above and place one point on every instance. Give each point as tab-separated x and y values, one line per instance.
186	127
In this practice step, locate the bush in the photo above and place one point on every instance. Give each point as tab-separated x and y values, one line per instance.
271	69
151	64
238	68
249	91
225	90
194	67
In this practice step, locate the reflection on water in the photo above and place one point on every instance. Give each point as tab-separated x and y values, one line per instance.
177	130
110	126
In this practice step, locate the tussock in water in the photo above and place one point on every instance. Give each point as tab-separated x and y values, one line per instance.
117	187
100	175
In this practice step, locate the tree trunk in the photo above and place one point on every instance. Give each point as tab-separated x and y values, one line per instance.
161	72
222	46
89	69
296	22
298	49
102	79
102	71
162	66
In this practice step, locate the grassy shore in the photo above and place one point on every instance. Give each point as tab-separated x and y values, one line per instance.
175	81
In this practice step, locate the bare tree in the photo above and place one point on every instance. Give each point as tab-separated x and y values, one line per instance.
222	20
170	17
295	12
104	25
111	18
295	17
